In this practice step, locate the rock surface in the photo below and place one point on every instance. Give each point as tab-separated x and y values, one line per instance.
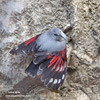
22	19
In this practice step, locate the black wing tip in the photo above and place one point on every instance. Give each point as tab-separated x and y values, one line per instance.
12	52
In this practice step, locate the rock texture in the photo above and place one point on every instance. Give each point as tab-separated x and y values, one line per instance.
22	19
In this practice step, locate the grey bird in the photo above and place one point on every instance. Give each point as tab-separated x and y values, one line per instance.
50	61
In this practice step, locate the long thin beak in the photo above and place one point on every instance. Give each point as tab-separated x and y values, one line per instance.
62	37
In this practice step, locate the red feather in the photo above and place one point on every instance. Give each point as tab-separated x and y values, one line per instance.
53	61
62	53
55	64
30	40
58	60
63	66
49	56
58	64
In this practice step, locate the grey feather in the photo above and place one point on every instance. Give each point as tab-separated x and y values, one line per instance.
48	41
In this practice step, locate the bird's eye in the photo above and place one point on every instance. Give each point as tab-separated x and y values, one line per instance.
56	34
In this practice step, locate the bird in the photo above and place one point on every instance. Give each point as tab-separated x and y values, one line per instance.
50	60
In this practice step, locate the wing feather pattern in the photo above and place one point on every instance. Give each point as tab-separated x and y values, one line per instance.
54	74
51	66
27	47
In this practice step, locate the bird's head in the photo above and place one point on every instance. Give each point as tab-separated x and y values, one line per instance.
57	34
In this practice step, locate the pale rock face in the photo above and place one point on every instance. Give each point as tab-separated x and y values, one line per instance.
22	19
7	7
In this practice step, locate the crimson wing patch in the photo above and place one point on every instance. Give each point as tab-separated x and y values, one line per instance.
27	47
54	74
51	67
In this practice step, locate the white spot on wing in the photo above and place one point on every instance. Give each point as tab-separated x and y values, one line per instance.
23	51
16	48
39	72
55	81
63	76
51	80
61	68
59	81
40	69
57	68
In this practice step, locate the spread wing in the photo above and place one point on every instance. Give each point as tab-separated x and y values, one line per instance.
51	67
28	46
53	75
